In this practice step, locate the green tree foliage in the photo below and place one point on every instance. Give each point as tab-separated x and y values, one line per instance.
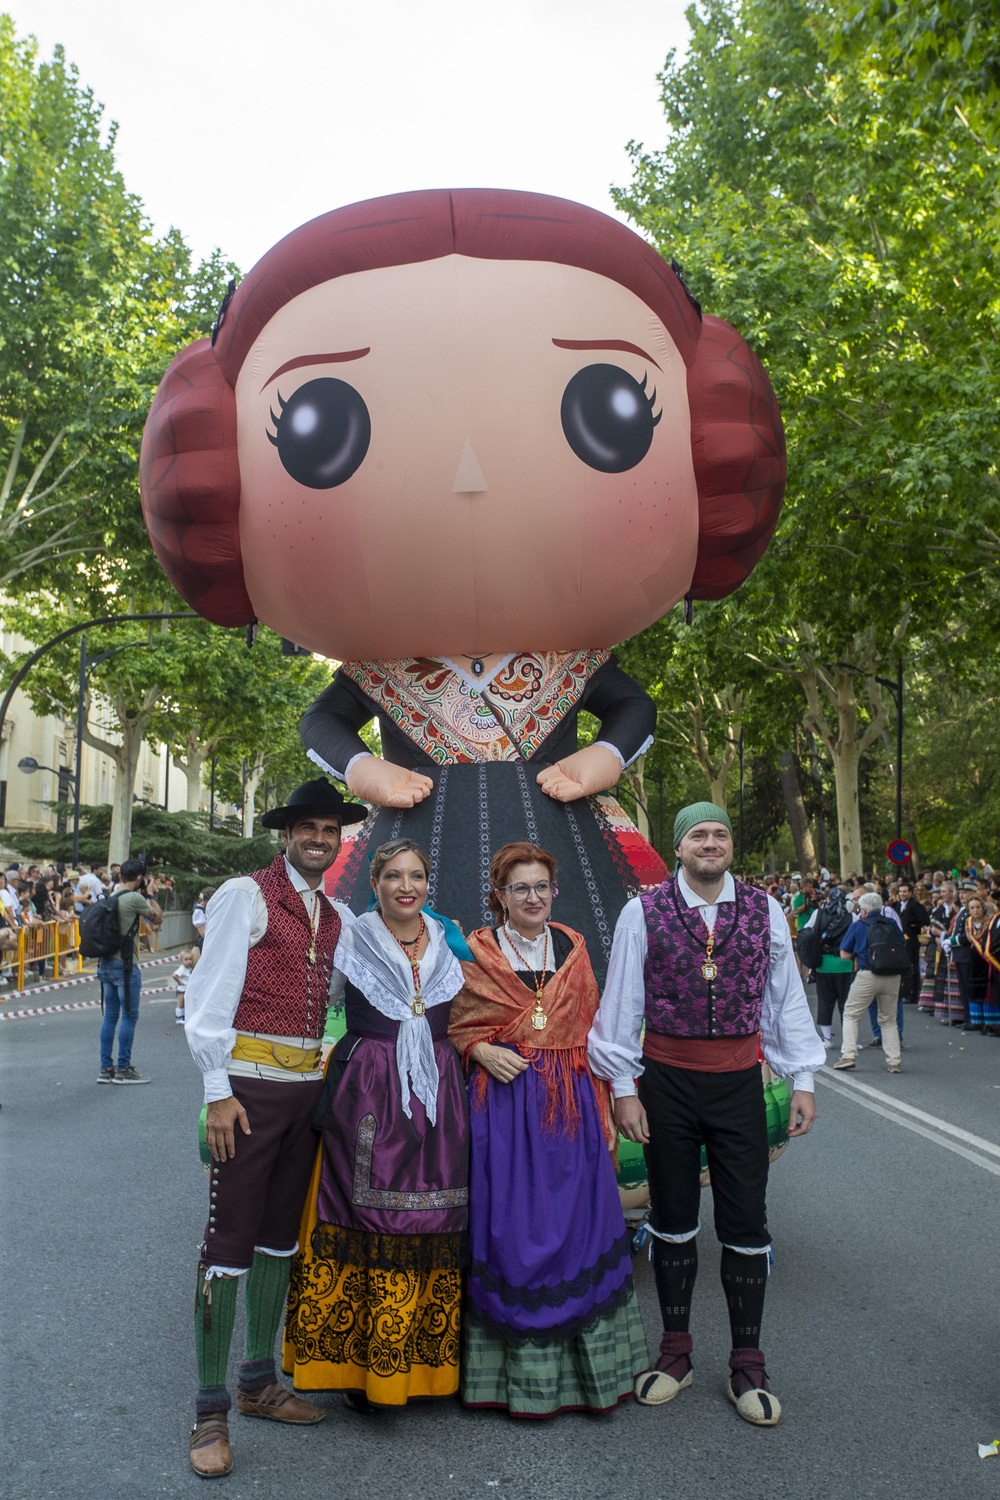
145	661
839	226
92	309
953	46
952	755
700	689
178	682
242	706
177	844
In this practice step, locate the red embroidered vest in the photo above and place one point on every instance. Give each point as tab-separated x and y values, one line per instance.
284	994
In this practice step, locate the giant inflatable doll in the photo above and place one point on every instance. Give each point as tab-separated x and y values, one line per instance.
463	442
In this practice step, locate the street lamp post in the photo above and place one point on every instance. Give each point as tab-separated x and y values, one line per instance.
897	689
29	765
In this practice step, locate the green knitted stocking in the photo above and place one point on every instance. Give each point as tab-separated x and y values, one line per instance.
267	1286
214	1316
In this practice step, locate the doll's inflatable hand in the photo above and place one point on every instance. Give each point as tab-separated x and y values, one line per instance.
581	774
376	780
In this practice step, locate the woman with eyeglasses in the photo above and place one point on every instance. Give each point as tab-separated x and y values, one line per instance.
550	1322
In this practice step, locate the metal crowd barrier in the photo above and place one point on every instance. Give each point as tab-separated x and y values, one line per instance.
45	941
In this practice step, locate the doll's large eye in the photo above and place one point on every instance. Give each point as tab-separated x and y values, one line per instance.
323	433
608	418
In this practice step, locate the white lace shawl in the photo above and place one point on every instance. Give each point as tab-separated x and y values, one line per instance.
371	958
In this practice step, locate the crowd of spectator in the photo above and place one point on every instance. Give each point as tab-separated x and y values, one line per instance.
32	894
950	923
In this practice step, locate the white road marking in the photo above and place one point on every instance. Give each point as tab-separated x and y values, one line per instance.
48	1010
897	1114
65	984
919	1114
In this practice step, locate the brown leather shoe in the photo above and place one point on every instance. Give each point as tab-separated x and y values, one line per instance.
211	1455
278	1405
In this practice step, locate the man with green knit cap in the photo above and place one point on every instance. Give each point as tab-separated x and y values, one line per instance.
702	971
255	1016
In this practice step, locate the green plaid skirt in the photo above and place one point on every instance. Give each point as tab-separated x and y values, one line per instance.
593	1371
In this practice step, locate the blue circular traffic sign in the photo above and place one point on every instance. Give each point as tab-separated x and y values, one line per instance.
900	852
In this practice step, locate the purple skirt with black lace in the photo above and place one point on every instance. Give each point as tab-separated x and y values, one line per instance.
551	1321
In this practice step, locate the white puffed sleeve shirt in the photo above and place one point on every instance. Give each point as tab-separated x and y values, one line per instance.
789	1039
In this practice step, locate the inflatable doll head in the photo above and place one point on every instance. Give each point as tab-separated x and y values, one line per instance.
470	421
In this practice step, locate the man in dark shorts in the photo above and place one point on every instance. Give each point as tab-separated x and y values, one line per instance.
255	1016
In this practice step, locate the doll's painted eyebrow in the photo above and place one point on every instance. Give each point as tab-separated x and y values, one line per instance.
604	344
316	359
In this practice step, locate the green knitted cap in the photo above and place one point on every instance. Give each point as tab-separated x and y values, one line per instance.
698	812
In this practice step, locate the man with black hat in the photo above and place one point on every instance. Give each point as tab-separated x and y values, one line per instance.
707	963
255	1016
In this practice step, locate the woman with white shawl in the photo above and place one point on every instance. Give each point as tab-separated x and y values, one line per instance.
374	1304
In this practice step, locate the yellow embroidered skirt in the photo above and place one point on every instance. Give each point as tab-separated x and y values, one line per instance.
389	1330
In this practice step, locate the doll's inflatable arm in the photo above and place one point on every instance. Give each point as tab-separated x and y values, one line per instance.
593	769
375	780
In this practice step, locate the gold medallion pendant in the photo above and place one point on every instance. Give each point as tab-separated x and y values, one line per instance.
710	969
417	1006
539	1020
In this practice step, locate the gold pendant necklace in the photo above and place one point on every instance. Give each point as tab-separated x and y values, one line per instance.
313	928
709	969
417	1005
539	1020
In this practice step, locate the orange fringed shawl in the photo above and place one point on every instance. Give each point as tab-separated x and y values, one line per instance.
495	1006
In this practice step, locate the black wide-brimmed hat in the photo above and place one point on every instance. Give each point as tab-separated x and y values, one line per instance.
314	797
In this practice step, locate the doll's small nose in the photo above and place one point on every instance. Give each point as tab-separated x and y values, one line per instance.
468	476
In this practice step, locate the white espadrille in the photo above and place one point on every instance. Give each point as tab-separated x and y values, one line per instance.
656	1387
756	1406
754	1403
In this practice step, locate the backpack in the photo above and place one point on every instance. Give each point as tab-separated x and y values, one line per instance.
809	946
822	939
100	929
834	931
887	950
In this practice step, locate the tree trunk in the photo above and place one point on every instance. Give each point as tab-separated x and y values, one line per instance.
126	760
133	724
254	774
717	786
845	772
730	705
192	763
805	853
634	775
846	744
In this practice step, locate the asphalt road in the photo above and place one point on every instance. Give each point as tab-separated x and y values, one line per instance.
881	1323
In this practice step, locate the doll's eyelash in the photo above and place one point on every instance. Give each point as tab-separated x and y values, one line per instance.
650	400
271	437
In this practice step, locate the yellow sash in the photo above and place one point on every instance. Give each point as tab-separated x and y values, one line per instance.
277	1054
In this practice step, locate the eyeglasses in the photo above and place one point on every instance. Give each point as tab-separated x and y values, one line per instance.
521	892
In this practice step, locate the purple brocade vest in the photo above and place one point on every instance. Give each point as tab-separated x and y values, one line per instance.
679	1000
